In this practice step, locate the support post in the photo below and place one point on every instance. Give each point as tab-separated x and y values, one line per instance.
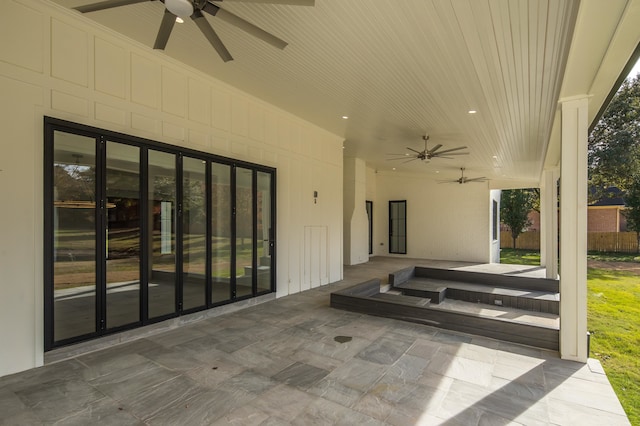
573	230
549	223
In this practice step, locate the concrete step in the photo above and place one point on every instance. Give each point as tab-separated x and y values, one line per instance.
409	300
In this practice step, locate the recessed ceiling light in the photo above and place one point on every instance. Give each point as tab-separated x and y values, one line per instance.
472	111
495	157
343	147
437	171
179	20
393	168
345	117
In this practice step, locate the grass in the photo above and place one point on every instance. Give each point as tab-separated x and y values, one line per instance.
519	257
613	257
613	306
613	315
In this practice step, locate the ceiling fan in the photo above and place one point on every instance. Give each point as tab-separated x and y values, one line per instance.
427	154
182	9
464	179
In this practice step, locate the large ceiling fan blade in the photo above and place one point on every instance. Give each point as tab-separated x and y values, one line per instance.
478	179
211	35
246	26
447	154
289	2
451	150
168	21
107	4
435	148
417	152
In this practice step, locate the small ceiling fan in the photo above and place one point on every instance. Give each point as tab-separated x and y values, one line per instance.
463	179
183	9
427	154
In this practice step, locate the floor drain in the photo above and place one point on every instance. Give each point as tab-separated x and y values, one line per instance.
343	339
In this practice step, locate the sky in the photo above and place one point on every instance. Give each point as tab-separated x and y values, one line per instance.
635	70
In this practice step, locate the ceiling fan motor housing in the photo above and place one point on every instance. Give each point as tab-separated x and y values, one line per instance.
181	8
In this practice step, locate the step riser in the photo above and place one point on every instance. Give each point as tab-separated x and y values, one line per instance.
527	304
362	298
531	335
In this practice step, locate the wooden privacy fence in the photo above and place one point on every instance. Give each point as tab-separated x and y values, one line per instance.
529	240
613	242
619	242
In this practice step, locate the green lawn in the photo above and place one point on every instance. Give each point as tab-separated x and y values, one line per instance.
613	315
519	257
613	306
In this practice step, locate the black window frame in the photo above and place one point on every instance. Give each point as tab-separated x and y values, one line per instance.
494	219
101	136
404	202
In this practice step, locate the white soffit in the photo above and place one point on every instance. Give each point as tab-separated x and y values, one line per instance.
399	70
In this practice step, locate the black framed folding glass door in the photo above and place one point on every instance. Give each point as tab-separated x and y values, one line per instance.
137	232
73	266
265	229
123	235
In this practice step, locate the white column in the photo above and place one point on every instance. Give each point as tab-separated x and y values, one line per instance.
549	223
355	219
573	230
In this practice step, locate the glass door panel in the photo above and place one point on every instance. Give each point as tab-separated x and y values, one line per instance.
74	235
265	231
162	228
220	233
194	229
244	232
123	234
398	227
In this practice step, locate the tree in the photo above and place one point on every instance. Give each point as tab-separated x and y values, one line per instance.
614	143
632	212
515	205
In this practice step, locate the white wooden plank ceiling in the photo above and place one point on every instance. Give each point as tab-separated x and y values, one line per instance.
398	70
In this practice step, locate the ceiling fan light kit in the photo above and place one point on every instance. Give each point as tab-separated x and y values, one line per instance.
193	9
181	8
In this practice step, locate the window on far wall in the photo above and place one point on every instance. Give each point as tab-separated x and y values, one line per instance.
494	223
398	227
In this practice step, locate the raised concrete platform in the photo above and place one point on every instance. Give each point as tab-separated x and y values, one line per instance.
365	297
532	294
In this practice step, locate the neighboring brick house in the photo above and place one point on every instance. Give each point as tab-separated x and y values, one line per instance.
604	215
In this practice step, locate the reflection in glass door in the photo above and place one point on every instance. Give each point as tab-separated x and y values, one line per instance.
162	237
244	241
74	235
194	231
221	211
265	232
123	234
